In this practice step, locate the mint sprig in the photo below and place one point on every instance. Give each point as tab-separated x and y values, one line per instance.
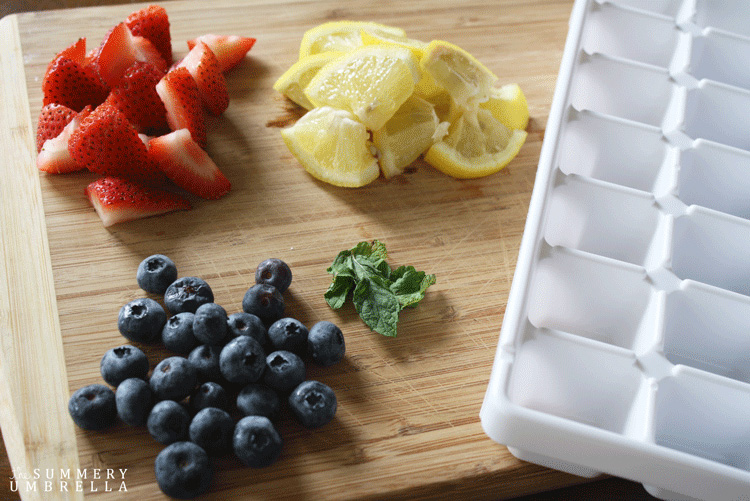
378	293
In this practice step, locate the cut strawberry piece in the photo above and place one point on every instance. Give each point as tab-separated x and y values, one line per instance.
204	67
52	120
75	52
119	50
106	143
118	200
181	97
54	156
152	23
229	49
188	165
70	82
135	95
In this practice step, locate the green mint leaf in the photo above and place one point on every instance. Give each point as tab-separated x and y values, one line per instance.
377	307
411	285
339	290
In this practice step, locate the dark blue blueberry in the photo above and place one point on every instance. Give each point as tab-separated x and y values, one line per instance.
284	371
264	301
256	441
187	294
174	378
288	334
257	399
211	429
205	359
134	400
168	422
209	394
93	407
177	334
141	320
123	362
325	343
183	470
313	404
210	324
242	360
246	324
274	272
155	273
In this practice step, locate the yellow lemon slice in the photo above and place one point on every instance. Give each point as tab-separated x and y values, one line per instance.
467	80
508	104
333	146
341	36
477	145
405	136
370	81
294	80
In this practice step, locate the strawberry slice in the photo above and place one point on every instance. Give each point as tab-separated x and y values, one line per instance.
135	95
181	97
52	120
54	156
229	49
118	200
70	82
204	67
119	50
152	23
106	143
188	165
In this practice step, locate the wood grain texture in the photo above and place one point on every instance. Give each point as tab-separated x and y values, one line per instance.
408	421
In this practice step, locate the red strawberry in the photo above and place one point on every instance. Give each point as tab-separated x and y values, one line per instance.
189	166
52	120
54	156
106	143
119	50
181	97
70	82
135	95
152	23
229	49
204	67
118	200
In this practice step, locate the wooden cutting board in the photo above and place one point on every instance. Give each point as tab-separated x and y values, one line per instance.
407	424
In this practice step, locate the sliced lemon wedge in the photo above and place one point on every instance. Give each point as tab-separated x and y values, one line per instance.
294	80
342	36
333	146
508	104
370	81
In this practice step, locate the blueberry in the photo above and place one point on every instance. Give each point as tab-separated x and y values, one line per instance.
210	324
141	320
155	273
211	429
168	422
325	343
288	334
134	400
257	399
209	394
183	470
242	360
256	441
93	407
284	371
274	272
177	334
187	294
205	359
123	362
265	301
246	324
174	378
313	403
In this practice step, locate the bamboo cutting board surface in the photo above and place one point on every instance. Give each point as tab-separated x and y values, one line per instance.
407	424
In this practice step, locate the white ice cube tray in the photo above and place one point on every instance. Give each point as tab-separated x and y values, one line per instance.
625	346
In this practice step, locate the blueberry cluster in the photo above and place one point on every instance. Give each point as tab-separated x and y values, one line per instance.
254	359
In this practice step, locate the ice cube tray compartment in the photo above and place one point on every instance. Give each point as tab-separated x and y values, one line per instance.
627	328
